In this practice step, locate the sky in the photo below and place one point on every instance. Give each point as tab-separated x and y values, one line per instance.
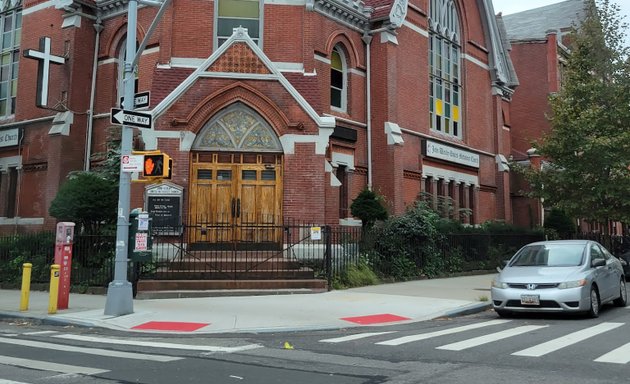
513	6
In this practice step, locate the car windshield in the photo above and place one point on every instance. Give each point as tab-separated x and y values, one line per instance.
549	255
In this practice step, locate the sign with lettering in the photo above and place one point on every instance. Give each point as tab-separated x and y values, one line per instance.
131	163
142	241
131	118
446	152
10	137
164	204
316	233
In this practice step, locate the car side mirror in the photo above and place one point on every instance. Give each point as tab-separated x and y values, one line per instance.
623	262
598	263
504	264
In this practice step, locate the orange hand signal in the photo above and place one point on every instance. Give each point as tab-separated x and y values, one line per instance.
148	166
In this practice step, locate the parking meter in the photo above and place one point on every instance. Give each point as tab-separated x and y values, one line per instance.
64	240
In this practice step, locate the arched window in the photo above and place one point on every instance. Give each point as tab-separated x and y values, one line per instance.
338	80
238	13
445	93
237	128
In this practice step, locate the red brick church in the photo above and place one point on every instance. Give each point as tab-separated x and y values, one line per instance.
270	110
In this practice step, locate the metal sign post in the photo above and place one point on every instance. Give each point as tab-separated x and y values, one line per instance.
120	291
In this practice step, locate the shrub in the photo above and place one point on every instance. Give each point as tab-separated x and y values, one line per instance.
404	242
87	199
37	249
368	206
558	221
447	262
357	275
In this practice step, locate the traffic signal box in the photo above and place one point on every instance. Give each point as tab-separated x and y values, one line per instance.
156	166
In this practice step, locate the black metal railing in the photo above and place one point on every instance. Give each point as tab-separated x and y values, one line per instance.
92	258
291	250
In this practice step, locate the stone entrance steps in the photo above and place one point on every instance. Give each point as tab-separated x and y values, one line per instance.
207	273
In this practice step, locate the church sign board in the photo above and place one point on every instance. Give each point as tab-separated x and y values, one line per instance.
10	137
164	204
441	151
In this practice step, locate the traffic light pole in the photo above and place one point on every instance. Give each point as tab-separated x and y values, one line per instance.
119	292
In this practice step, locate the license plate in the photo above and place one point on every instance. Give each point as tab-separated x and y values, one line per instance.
530	300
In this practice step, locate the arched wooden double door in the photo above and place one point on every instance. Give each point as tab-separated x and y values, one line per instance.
235	197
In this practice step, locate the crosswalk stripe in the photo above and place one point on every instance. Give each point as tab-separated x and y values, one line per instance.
2	381
620	355
476	341
88	351
354	337
153	344
565	341
47	366
450	331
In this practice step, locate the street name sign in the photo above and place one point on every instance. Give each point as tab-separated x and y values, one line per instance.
131	118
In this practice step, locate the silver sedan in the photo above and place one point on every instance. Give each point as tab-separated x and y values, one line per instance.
556	276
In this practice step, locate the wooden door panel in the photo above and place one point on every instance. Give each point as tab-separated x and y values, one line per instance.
222	215
267	203
249	207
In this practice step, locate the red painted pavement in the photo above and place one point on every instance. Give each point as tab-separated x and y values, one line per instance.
375	319
170	326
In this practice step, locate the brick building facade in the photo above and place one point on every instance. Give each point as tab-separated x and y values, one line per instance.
270	110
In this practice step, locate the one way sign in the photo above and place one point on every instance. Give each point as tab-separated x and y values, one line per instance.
131	118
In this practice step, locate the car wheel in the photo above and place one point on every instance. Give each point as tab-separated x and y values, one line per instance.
503	313
622	300
594	303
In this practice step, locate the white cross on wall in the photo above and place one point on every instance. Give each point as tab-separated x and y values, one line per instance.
43	70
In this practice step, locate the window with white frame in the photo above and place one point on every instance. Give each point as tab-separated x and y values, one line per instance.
11	27
237	13
445	89
338	79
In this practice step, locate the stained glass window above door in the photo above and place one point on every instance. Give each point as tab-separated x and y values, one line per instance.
238	128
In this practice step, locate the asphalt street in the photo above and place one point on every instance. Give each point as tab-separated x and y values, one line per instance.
479	348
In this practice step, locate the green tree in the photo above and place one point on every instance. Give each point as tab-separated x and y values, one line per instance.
587	152
368	206
88	199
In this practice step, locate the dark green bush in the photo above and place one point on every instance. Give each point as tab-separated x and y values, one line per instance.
37	249
559	222
368	206
405	242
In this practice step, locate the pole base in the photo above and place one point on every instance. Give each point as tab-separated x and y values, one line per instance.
119	298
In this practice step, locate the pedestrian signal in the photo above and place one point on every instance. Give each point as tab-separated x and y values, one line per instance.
156	166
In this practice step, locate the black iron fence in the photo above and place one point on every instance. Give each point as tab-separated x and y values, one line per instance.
299	251
92	260
293	250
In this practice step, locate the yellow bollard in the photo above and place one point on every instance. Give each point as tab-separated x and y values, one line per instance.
54	288
26	286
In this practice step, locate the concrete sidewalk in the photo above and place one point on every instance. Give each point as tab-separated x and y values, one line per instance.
374	305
